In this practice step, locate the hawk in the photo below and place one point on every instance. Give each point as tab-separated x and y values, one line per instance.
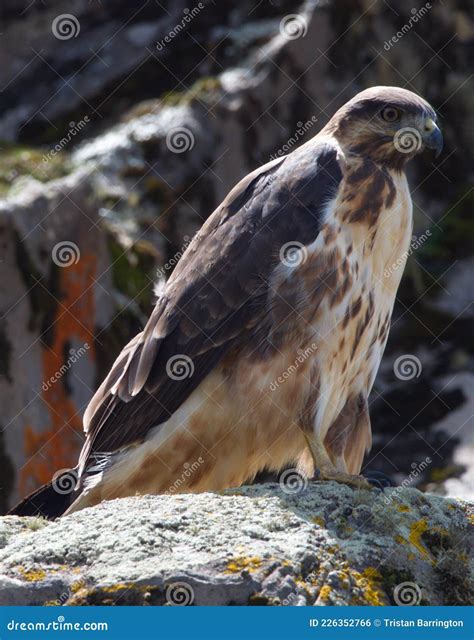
265	342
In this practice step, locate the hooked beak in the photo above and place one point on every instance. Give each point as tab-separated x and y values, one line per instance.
432	136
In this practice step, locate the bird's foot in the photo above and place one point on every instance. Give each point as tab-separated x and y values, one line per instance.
379	479
356	482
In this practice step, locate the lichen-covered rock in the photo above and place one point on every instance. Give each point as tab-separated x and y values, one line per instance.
325	545
153	157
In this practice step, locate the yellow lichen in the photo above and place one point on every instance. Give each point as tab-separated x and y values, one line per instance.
319	521
416	531
370	584
119	587
242	563
373	592
325	592
403	508
77	586
32	575
365	588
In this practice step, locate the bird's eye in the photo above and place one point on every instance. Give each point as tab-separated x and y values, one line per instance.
390	114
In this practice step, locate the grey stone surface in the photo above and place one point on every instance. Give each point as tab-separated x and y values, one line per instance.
134	203
325	545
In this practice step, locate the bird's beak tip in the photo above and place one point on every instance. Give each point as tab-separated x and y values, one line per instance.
434	140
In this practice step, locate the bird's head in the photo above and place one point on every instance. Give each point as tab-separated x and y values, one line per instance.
390	125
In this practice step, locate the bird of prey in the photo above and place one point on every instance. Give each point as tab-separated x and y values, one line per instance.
263	346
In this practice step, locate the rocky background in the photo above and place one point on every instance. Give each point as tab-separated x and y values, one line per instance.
123	125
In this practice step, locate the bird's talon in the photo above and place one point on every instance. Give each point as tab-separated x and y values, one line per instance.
378	480
356	482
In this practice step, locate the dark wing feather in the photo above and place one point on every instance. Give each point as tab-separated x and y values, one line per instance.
216	296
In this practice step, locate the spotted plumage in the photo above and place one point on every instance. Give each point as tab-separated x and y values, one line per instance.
280	311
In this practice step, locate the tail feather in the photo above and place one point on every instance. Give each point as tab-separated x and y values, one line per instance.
45	502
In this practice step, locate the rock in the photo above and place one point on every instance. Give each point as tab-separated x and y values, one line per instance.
55	295
459	424
458	293
325	545
86	58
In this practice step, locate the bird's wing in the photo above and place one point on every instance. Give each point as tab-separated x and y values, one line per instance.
215	298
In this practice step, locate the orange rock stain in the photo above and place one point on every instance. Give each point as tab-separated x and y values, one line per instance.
55	447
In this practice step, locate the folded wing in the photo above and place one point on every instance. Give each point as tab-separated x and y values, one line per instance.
215	299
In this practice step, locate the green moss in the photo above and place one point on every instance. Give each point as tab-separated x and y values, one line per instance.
133	272
202	90
439	475
16	160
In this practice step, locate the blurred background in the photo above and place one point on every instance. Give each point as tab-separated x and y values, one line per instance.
123	124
